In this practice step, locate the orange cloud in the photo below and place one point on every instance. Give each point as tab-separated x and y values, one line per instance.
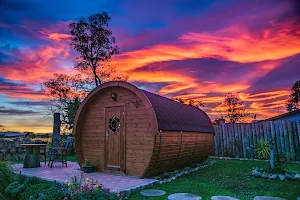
37	65
58	36
158	76
176	87
235	43
23	92
264	95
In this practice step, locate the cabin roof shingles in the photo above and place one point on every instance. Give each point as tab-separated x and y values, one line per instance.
175	116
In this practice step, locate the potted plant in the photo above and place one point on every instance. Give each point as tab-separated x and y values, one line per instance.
88	166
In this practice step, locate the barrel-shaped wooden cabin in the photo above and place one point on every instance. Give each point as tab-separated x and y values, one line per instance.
123	129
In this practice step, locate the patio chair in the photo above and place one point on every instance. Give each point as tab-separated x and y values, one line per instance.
58	152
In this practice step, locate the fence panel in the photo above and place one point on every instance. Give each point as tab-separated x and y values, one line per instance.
240	140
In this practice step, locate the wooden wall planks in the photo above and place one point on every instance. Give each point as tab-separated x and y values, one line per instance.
174	150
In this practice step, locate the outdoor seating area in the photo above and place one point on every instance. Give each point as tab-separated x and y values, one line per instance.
36	150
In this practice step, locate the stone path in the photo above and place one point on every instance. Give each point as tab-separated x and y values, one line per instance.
116	183
223	198
184	196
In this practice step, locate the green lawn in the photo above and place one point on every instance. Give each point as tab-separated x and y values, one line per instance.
72	158
230	177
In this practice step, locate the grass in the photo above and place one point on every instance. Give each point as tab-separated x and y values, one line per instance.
232	178
72	158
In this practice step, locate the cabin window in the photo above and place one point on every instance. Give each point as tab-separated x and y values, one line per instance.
114	124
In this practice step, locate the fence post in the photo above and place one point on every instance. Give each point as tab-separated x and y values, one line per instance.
253	140
277	136
281	134
248	140
243	127
215	141
286	137
291	139
272	134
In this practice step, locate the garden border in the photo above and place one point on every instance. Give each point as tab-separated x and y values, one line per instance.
250	159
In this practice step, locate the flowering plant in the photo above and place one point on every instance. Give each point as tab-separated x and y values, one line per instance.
86	188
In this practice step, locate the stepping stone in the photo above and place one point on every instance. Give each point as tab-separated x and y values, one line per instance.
223	198
268	198
184	196
152	193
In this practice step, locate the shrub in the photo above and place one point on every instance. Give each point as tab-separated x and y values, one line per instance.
6	176
281	162
14	189
33	191
55	192
263	150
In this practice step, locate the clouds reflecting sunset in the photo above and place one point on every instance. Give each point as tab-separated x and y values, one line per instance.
197	51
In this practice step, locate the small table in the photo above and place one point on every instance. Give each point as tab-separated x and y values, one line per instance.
32	158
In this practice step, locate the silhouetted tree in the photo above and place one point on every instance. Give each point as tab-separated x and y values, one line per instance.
233	109
66	93
94	42
293	103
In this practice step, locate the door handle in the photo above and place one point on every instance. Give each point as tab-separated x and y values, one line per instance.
106	135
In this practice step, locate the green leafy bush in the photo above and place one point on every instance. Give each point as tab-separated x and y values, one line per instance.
33	191
281	162
263	150
6	176
55	192
14	189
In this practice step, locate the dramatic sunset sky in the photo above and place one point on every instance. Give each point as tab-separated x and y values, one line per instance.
177	48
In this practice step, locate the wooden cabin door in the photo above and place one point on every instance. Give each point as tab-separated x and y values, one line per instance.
114	138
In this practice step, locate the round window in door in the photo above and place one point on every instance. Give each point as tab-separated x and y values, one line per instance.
114	124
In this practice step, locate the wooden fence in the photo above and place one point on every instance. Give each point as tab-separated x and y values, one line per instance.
240	140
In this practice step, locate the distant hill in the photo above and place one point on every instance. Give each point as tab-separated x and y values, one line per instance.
11	134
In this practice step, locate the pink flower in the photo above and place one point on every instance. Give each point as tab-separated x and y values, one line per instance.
118	194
